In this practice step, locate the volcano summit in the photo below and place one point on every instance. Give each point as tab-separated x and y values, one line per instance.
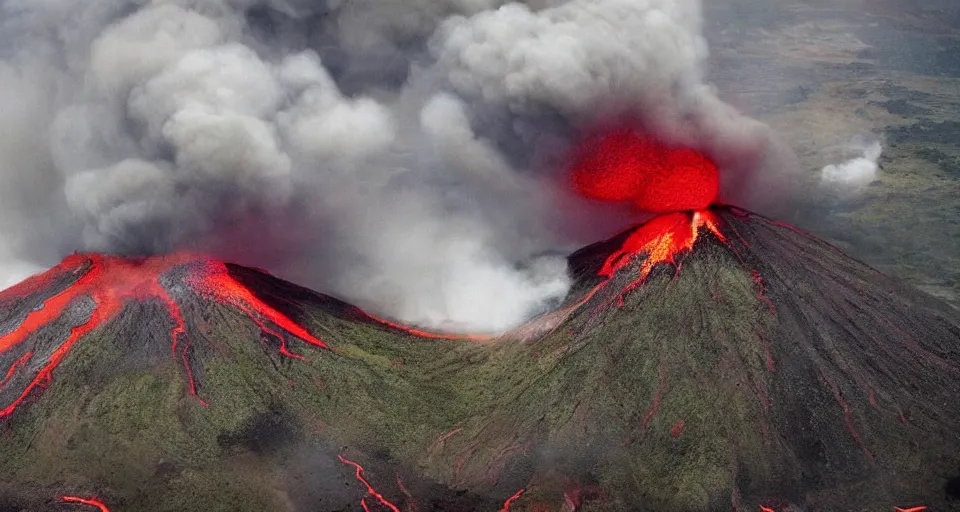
704	360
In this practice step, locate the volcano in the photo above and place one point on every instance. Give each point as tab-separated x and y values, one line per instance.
710	359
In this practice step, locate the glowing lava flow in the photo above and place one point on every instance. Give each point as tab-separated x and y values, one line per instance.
847	419
661	240
370	490
13	369
86	501
110	282
358	473
511	499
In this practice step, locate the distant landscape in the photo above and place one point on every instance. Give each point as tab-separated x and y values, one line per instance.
823	73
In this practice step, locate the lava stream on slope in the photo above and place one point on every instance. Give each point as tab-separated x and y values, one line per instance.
110	282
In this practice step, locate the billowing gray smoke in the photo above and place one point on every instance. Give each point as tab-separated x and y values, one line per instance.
406	155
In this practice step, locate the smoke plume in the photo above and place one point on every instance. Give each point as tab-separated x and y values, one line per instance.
856	173
406	155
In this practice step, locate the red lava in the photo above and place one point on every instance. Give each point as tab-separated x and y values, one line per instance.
93	502
110	282
627	166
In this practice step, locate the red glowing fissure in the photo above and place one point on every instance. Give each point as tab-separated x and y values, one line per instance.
847	418
510	500
13	369
93	502
370	490
658	393
358	473
110	282
677	428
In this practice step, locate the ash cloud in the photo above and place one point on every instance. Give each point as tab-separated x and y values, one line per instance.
405	155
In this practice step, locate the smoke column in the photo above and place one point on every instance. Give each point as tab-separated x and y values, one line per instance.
405	155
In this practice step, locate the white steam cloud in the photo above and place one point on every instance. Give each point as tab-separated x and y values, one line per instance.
856	173
405	155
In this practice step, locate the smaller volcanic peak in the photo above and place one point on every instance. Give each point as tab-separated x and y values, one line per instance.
106	285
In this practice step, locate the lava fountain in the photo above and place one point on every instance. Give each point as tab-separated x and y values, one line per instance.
624	165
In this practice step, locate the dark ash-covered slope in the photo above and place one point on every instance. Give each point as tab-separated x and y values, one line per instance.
799	375
769	370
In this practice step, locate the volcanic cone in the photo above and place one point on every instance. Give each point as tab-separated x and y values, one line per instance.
707	360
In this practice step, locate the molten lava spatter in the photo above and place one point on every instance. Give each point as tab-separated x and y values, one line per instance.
624	165
93	502
110	282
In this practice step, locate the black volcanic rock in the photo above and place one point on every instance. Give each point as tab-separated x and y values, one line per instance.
769	369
